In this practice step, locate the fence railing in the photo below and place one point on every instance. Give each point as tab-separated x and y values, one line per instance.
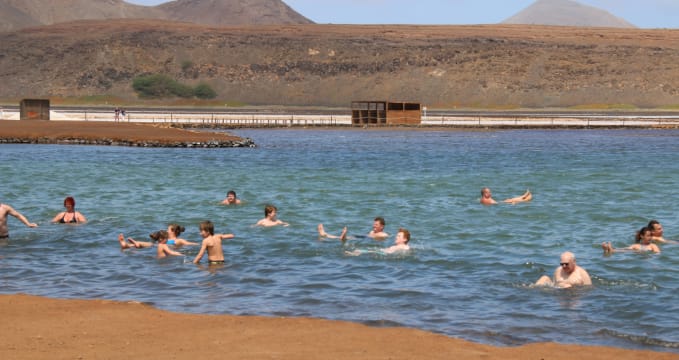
244	119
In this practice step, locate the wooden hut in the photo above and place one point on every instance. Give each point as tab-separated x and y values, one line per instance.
34	109
385	113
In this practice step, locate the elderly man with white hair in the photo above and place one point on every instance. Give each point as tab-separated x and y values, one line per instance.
567	274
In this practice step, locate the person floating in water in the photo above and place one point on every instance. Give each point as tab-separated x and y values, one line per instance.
270	219
376	233
231	199
487	198
568	274
70	216
644	243
212	244
400	245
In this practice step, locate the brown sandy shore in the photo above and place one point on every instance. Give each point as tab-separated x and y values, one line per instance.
111	133
41	328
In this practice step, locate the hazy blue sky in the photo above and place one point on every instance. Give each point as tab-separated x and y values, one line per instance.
642	13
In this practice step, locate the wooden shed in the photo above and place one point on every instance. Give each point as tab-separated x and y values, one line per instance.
34	109
385	113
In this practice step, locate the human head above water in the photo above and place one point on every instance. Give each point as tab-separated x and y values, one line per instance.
642	233
269	209
69	201
378	221
568	262
207	226
176	229
159	236
406	234
484	191
656	228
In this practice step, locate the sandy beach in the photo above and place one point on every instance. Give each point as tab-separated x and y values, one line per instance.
36	327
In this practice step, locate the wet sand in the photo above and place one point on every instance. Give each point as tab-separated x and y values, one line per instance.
38	328
54	131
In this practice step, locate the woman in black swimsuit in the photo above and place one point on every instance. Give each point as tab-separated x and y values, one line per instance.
70	216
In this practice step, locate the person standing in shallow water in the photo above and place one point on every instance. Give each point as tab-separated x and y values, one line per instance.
212	244
6	210
70	216
568	274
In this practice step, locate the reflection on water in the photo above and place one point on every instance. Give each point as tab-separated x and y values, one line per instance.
471	266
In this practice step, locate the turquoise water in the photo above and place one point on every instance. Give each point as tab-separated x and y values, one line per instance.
468	275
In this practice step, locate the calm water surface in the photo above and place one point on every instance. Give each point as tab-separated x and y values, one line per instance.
468	275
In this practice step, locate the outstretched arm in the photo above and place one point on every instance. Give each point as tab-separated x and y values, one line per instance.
21	218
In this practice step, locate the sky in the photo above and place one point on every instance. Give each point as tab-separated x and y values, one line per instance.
642	13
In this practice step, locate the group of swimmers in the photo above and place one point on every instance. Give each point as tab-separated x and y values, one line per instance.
569	273
566	275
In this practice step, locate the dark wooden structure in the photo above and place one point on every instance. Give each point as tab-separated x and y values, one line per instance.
35	109
385	113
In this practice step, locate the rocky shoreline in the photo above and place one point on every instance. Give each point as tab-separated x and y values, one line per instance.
114	134
247	142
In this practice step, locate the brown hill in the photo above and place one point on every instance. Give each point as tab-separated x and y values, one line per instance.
566	13
221	12
442	66
17	14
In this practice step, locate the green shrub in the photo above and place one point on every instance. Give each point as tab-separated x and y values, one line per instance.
158	86
204	91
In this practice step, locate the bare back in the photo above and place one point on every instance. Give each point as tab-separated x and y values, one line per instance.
213	246
4	211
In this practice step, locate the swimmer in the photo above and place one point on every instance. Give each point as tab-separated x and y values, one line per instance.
323	234
376	233
486	197
568	274
400	245
644	243
134	244
162	250
269	219
173	231
70	216
6	210
657	233
212	243
527	196
231	199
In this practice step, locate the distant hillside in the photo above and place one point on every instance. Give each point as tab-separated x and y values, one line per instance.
232	12
566	13
17	14
441	66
